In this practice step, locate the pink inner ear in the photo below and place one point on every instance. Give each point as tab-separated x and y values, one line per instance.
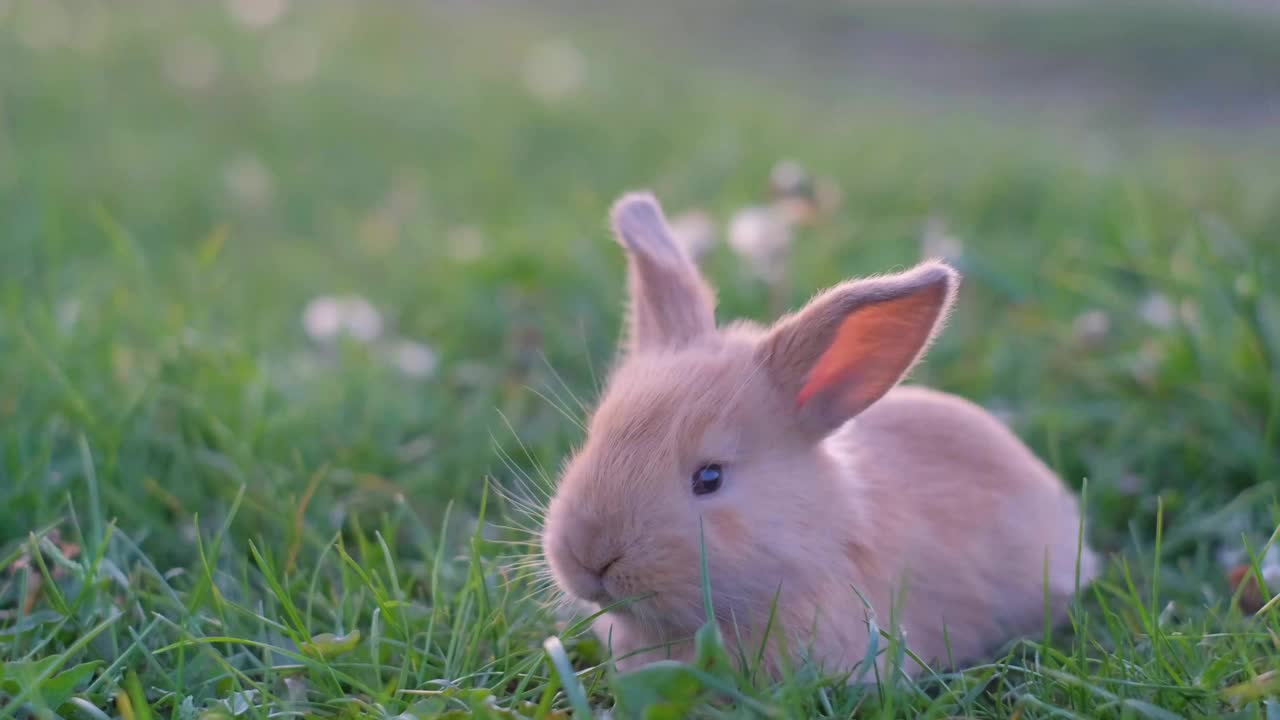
872	349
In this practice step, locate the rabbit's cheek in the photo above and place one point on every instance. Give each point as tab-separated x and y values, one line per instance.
654	573
727	526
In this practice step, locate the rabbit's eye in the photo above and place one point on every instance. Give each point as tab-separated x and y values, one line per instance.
707	479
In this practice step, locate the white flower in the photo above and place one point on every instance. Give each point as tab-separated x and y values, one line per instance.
414	359
1158	310
1268	564
1091	328
362	319
192	64
554	71
325	318
695	231
788	178
257	14
795	196
248	181
1271	569
322	319
938	242
761	236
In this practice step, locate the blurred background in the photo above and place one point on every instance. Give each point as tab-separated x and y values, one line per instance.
244	239
316	268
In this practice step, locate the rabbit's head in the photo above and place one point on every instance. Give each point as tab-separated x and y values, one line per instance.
713	438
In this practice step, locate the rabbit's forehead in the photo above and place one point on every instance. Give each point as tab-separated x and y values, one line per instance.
671	400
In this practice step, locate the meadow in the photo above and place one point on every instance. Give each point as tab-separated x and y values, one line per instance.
294	298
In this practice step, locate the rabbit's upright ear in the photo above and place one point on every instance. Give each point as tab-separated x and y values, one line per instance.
853	343
670	302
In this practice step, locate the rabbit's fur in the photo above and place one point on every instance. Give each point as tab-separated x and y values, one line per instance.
834	480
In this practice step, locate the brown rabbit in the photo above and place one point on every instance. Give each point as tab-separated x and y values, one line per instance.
814	482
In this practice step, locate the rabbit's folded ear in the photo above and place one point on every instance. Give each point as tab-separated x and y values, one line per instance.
853	343
670	302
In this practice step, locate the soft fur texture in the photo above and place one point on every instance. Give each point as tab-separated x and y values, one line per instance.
834	479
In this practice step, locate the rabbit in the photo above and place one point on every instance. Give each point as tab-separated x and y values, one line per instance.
824	493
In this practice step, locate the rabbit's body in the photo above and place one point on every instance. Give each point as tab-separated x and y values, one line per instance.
813	483
969	531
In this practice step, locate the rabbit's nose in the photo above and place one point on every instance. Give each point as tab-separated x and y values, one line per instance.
593	545
604	568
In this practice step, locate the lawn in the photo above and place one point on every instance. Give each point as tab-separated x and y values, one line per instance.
290	305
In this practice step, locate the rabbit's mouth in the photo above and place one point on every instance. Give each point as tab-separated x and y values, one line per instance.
620	584
615	590
588	586
658	619
605	585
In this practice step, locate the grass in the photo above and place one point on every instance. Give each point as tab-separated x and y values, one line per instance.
203	513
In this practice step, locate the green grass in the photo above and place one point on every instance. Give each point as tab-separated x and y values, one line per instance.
204	513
